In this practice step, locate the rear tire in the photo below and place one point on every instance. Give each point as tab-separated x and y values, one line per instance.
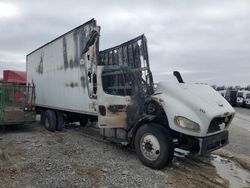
154	146
50	120
42	117
2	128
83	122
59	121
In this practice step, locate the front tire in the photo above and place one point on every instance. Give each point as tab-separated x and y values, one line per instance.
154	146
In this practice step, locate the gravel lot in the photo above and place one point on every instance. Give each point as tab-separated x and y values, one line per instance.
31	156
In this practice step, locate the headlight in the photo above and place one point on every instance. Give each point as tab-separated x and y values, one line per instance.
187	124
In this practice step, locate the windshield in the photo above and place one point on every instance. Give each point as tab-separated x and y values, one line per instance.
240	94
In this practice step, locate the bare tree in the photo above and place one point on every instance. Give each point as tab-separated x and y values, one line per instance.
230	87
221	88
248	88
238	87
214	86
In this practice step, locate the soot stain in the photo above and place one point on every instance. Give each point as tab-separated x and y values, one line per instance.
83	81
65	55
40	66
72	84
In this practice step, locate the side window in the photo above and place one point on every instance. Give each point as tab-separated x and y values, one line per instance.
116	82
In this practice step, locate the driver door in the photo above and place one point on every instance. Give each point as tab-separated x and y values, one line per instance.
114	96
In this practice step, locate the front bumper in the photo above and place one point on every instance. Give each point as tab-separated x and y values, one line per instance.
211	143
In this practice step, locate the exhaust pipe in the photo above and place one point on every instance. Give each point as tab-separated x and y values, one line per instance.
177	74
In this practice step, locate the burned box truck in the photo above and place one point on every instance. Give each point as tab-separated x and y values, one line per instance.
76	82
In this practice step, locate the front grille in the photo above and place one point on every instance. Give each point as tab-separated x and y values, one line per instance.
219	123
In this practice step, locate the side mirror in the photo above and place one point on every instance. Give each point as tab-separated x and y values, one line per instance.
178	76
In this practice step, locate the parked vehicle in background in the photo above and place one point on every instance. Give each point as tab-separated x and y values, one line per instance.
16	99
222	92
76	82
231	97
246	98
242	97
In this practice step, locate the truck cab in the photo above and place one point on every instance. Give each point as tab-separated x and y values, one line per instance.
155	121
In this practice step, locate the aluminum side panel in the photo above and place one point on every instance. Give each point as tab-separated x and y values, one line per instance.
60	71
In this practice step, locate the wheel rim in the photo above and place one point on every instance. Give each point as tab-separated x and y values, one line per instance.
150	147
46	122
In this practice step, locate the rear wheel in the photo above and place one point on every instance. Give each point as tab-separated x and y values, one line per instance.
50	120
2	128
59	121
154	146
42	117
83	122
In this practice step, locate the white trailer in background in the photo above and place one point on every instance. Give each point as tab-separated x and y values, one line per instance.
75	82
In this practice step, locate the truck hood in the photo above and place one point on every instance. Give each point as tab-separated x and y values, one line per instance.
198	102
197	95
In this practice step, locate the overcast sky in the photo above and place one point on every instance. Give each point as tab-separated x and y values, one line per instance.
207	41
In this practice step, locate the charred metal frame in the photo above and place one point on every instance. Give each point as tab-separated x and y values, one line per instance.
133	55
126	72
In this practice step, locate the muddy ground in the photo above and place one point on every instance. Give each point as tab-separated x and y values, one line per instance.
240	132
31	156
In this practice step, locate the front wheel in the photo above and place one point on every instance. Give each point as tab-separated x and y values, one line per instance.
154	146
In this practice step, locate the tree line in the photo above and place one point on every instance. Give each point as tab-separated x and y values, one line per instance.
237	87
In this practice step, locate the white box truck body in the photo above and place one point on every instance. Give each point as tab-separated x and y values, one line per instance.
75	82
60	76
